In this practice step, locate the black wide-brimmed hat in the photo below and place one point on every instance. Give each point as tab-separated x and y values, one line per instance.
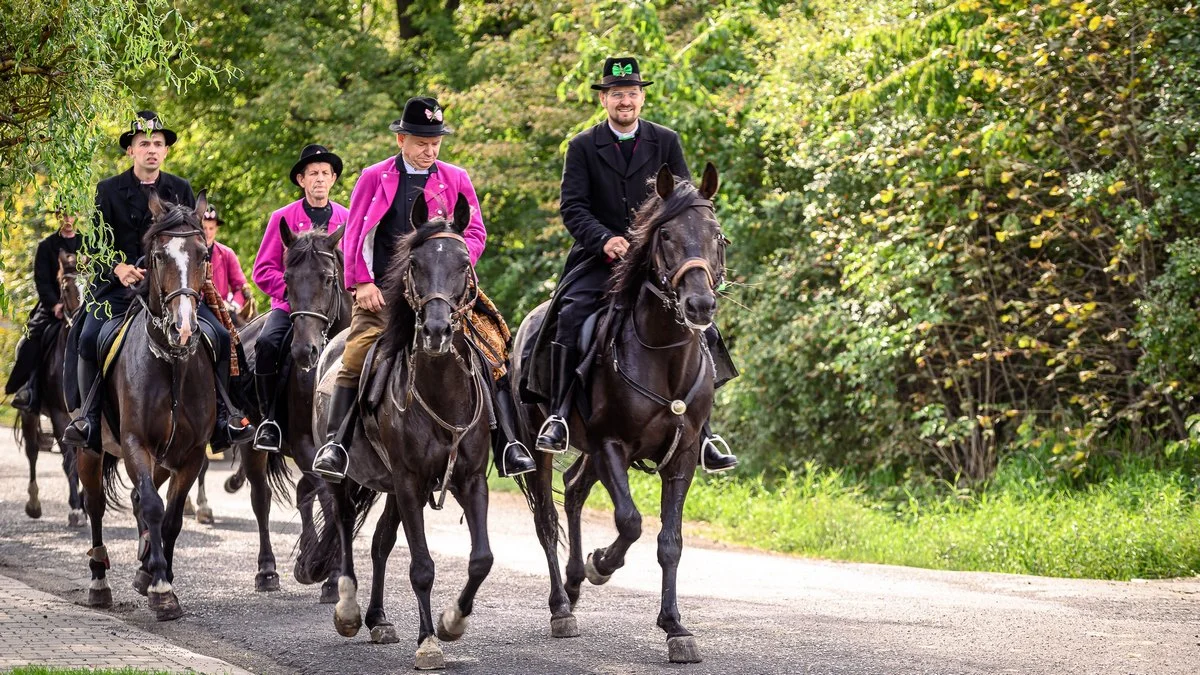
211	214
621	71
315	153
146	122
422	117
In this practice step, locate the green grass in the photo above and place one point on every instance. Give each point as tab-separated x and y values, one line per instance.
50	670
1135	522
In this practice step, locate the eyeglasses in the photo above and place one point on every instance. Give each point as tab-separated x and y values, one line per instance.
622	95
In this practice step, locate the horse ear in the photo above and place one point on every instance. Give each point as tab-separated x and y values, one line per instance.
201	203
157	206
709	182
462	216
285	233
420	213
337	236
665	183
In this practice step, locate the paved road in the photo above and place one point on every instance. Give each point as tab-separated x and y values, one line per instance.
752	612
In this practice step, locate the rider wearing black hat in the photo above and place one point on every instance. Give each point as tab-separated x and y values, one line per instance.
607	175
315	173
123	217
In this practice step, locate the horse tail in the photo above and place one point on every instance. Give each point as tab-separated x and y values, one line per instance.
320	549
113	484
18	431
279	478
544	514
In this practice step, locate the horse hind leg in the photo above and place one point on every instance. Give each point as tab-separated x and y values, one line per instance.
204	512
78	516
539	487
91	476
452	623
681	645
255	465
578	480
30	430
382	630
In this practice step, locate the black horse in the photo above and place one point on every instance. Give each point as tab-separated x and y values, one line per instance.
161	394
53	404
429	434
320	307
650	392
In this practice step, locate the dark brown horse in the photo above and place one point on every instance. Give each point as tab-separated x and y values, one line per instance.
429	434
650	392
320	307
161	392
53	404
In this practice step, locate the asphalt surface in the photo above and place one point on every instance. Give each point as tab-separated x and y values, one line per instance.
751	612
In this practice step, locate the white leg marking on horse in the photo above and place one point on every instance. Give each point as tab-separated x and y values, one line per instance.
162	586
100	584
180	256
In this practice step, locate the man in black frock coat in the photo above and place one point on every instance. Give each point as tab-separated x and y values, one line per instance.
606	178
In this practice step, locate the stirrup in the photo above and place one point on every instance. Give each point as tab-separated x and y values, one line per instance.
258	434
716	443
329	475
555	419
504	458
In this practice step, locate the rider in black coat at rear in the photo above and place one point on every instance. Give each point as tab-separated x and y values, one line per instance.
123	216
606	178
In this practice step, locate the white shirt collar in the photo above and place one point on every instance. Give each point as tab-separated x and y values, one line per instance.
631	134
409	167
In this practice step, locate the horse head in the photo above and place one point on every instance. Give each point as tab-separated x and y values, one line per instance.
436	278
176	258
312	274
68	285
677	245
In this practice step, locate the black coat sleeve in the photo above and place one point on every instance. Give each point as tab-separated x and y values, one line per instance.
186	196
675	158
45	273
575	203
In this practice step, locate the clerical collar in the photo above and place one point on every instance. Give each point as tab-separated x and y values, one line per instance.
623	136
409	168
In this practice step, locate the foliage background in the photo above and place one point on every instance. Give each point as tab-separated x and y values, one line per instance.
964	231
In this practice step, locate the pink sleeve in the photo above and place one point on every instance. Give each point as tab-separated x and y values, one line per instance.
268	265
475	234
360	198
237	279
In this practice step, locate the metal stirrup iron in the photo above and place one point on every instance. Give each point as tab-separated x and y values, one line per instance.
556	419
262	426
716	442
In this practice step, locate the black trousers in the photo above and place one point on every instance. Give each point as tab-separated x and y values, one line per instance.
272	342
30	348
579	301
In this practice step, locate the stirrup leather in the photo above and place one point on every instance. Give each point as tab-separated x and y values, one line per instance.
716	443
332	447
262	426
555	419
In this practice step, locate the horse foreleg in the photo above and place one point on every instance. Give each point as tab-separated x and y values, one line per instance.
410	499
255	465
91	475
613	469
204	513
152	579
382	630
681	646
177	493
30	429
545	520
579	481
473	497
347	615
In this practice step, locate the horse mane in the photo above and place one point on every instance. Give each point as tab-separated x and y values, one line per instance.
401	319
633	269
305	246
173	215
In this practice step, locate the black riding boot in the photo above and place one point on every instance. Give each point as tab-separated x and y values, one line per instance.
25	365
511	456
269	435
26	397
554	434
711	457
84	431
332	460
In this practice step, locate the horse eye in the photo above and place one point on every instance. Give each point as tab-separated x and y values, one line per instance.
666	235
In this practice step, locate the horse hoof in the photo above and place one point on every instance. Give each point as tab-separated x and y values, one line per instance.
429	655
33	510
234	483
77	518
101	598
451	625
329	594
166	606
204	515
265	582
683	649
384	634
564	627
593	576
142	581
188	508
347	627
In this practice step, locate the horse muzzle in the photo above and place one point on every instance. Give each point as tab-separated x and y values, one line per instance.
698	310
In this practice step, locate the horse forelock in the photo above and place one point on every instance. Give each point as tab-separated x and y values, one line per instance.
307	245
655	212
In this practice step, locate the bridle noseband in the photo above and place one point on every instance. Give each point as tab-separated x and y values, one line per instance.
459	307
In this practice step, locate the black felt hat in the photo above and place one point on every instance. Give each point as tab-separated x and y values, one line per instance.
422	117
620	71
315	153
146	122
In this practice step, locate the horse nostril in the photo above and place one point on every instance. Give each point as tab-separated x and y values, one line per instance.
700	304
313	353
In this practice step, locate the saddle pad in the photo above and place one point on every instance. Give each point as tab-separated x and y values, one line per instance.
112	339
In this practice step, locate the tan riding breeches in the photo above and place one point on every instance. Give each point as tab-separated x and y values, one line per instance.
365	327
